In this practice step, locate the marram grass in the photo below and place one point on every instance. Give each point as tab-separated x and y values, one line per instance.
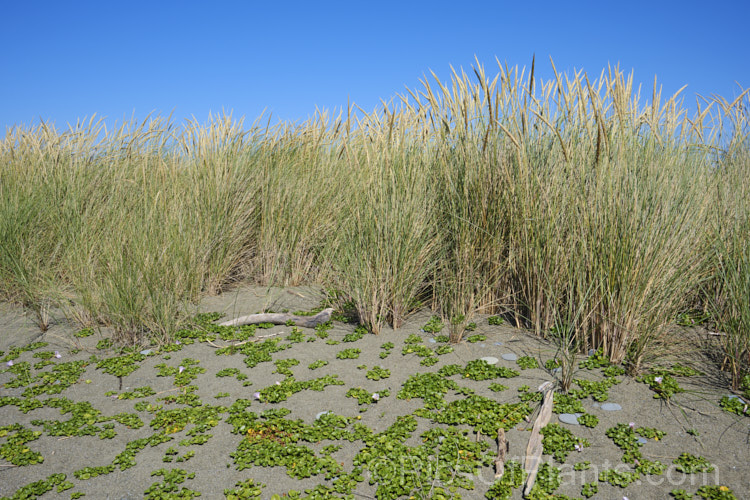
576	207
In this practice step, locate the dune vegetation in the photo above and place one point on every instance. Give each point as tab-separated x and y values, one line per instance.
576	207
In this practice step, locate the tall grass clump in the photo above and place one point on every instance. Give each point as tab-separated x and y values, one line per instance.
568	203
301	187
468	157
578	207
386	245
41	200
126	228
729	291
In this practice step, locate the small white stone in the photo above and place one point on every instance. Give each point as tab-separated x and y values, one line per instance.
321	414
490	360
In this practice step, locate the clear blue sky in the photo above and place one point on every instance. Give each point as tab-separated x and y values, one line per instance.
65	60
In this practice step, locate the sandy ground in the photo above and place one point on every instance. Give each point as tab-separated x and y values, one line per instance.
723	438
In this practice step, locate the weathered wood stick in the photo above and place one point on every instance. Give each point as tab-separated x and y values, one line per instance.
534	449
282	319
502	448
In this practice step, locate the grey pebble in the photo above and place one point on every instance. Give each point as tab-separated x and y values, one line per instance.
570	418
432	341
509	356
146	352
498	343
642	440
611	407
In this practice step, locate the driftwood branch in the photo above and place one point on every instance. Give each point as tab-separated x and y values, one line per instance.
502	449
282	319
534	449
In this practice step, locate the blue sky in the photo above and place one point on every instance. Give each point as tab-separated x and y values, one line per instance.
67	60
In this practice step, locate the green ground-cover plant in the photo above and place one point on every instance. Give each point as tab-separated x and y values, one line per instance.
707	492
419	349
244	490
364	397
564	403
547	481
618	478
476	338
39	488
317	364
664	386
734	405
431	387
714	492
446	457
527	362
357	334
690	464
283	366
559	442
271	439
480	369
352	353
588	420
434	325
378	372
282	390
513	478
14	450
443	349
588	490
169	486
187	371
121	366
483	414
599	391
